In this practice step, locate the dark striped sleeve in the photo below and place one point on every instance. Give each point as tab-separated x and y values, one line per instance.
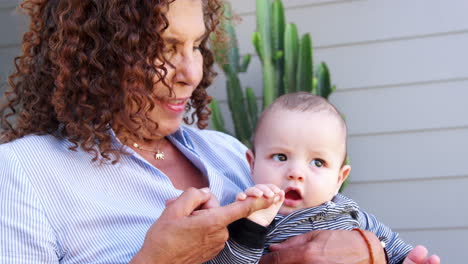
235	253
245	244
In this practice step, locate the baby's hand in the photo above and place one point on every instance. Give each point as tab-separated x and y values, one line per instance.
265	216
418	255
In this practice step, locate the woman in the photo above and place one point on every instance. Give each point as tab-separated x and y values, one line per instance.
97	148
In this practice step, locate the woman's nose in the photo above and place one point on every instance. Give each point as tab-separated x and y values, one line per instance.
188	69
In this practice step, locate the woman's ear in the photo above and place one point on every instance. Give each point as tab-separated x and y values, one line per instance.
251	159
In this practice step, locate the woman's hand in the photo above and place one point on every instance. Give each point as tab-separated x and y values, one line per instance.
326	246
192	228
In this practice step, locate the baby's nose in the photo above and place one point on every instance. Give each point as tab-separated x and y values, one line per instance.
295	176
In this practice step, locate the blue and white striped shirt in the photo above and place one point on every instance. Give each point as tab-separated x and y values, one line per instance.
56	206
340	213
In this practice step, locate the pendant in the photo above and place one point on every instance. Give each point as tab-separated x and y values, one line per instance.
159	155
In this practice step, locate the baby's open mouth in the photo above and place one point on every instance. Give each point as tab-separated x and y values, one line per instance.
293	195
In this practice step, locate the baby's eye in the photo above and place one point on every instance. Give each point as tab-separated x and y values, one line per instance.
279	157
317	163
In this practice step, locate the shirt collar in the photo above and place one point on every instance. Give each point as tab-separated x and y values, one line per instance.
181	136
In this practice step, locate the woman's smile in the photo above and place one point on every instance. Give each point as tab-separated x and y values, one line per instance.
177	105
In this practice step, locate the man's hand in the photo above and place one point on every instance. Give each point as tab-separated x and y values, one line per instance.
326	246
192	228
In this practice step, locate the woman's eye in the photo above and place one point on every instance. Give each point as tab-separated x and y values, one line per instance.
317	163
197	48
279	157
168	50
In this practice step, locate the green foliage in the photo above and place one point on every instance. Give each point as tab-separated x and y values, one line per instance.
287	66
227	56
291	51
304	65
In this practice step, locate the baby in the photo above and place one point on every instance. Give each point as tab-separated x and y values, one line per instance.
299	156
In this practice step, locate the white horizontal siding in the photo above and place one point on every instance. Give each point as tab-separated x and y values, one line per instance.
346	22
428	212
12	26
405	156
453	241
6	61
394	63
244	7
8	4
398	62
405	108
439	203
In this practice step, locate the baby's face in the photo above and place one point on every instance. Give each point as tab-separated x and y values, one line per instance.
302	153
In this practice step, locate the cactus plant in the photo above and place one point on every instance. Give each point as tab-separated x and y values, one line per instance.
227	56
278	45
287	66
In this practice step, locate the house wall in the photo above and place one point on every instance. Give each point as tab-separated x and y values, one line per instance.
11	28
401	70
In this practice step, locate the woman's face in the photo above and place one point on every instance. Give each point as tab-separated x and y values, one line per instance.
182	40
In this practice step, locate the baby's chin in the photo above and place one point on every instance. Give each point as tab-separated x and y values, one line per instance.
285	210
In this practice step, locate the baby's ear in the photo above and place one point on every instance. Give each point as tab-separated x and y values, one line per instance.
250	158
343	175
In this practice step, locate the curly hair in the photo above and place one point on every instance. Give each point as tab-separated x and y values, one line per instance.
83	61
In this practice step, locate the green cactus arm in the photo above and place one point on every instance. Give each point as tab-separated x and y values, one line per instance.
278	55
237	107
314	85
291	48
245	63
270	93
251	106
264	28
263	44
257	42
216	117
304	68
278	27
324	87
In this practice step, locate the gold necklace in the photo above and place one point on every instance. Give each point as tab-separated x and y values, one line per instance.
159	155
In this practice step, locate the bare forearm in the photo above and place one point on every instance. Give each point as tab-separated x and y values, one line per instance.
375	248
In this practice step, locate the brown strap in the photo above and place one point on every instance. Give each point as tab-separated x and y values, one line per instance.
369	247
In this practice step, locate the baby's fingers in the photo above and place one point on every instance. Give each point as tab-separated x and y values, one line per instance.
241	196
274	188
267	192
254	192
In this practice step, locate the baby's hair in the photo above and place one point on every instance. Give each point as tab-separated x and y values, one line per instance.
303	102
